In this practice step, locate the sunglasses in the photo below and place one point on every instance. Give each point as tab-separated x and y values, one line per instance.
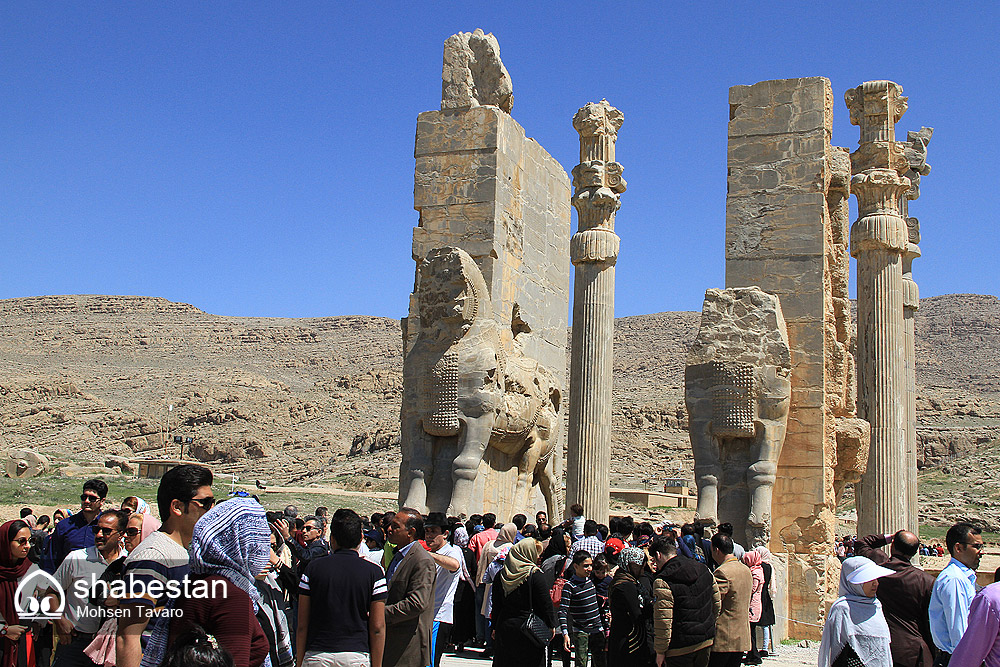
22	540
101	530
132	532
205	503
87	498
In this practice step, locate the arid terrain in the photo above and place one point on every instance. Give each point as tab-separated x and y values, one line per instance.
298	401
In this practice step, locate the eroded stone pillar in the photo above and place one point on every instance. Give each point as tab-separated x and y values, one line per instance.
598	186
878	241
916	157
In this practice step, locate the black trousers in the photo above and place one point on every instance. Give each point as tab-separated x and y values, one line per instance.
726	659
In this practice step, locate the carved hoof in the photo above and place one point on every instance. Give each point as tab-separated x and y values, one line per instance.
763	522
705	520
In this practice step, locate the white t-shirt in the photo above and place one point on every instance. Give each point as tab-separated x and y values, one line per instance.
446	585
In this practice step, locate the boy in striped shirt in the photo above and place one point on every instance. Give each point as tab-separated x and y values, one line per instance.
580	614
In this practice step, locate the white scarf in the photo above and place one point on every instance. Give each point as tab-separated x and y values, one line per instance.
855	620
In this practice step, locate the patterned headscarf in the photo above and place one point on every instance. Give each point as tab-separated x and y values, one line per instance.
631	556
232	540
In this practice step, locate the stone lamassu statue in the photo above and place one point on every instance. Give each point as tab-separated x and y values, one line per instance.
737	390
463	393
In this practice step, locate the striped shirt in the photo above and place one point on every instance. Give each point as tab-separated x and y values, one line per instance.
579	610
341	587
156	562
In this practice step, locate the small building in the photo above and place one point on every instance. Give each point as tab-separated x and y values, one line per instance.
154	468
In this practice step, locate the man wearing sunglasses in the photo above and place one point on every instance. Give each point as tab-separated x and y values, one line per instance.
76	628
75	532
183	497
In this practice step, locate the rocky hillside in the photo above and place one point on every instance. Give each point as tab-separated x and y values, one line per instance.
293	400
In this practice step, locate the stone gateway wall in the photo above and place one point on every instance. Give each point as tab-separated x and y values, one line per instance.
482	185
786	232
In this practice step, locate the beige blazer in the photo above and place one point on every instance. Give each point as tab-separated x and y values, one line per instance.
732	629
409	611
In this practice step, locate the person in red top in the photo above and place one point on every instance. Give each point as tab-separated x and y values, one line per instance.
478	542
229	547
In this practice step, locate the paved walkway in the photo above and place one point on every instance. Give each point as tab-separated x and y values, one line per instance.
790	656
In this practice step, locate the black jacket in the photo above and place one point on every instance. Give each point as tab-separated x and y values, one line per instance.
687	604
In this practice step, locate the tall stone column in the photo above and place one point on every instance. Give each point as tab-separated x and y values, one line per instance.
598	186
878	240
916	159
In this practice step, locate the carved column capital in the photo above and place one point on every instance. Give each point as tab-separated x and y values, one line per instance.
876	107
597	183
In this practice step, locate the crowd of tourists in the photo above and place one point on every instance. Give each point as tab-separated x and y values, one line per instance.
226	583
845	548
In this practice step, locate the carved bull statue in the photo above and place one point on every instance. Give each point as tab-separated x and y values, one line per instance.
463	393
737	391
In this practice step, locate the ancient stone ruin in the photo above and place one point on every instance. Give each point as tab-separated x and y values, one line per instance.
737	389
786	232
468	395
598	186
483	187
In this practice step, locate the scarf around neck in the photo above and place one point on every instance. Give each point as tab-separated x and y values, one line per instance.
855	620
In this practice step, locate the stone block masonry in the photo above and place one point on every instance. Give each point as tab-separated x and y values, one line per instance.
786	232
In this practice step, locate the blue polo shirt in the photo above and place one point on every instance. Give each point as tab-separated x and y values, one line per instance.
71	533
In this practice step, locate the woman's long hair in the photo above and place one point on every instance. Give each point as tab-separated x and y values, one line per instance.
556	546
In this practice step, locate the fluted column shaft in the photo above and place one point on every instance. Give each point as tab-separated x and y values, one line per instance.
593	250
911	302
878	241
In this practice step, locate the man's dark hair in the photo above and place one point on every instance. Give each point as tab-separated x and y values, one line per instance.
43	521
581	556
414	521
299	523
529	530
489	520
663	544
292	511
699	530
26	511
345	528
121	518
589	528
576	509
519	520
322	511
959	534
318	520
726	529
97	486
645	529
193	648
387	519
905	544
540	513
613	525
476	519
687	529
625	526
438	519
603	531
722	542
376	519
179	483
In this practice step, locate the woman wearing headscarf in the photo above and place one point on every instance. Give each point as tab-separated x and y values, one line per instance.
229	548
856	634
15	542
631	607
766	604
555	556
753	560
102	650
520	590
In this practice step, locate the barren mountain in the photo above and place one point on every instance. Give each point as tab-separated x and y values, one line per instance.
292	400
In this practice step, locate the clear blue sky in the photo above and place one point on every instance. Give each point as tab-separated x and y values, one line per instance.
257	158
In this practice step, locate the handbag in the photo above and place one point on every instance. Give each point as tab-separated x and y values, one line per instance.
534	628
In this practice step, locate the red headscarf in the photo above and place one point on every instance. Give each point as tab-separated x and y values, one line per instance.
10	574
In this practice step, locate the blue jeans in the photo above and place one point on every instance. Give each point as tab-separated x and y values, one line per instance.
481	623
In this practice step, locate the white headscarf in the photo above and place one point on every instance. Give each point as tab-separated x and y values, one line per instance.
855	619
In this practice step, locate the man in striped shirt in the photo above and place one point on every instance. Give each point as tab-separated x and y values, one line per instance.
154	570
342	603
580	615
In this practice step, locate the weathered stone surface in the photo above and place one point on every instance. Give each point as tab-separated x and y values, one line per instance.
465	398
786	232
879	237
473	73
737	391
594	248
481	185
25	463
